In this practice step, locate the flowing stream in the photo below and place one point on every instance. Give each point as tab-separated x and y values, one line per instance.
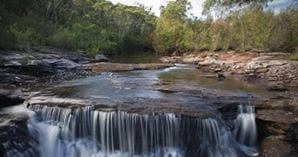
86	131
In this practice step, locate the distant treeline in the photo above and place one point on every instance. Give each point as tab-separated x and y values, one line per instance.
100	26
249	28
90	25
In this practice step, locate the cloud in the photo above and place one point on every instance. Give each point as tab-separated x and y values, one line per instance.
280	4
197	5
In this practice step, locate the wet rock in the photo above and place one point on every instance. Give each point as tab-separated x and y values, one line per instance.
15	138
185	101
277	116
40	64
274	122
101	58
10	96
9	100
78	58
54	101
65	64
275	146
26	68
220	76
16	79
292	134
277	86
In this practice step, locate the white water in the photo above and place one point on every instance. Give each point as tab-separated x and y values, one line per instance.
83	132
246	131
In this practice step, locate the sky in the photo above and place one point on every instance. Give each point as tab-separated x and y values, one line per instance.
197	5
156	4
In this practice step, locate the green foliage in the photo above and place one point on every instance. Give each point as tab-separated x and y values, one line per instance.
101	26
94	26
87	37
251	28
25	36
176	10
171	29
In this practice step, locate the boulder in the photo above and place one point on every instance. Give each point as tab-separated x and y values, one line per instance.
101	58
65	64
275	146
274	121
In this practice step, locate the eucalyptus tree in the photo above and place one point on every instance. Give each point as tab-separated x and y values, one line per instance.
171	27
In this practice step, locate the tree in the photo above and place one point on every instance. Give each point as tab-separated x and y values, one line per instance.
208	4
171	26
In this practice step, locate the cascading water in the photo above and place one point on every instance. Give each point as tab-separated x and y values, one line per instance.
83	132
245	126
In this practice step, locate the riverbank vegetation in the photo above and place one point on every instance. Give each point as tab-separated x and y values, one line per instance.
90	25
251	28
100	26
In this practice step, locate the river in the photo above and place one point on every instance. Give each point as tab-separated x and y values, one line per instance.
174	112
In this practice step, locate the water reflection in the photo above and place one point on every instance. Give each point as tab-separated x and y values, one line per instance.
207	80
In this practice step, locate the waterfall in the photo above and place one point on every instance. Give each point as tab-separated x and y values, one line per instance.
245	126
84	131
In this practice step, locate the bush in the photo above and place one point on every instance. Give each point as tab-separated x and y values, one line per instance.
86	37
26	35
63	38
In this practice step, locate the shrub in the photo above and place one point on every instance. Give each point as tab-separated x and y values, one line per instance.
86	37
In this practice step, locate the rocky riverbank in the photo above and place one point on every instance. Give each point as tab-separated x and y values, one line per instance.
23	73
277	114
272	69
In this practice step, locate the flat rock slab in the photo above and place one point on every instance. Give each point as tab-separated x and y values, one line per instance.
116	67
145	106
278	116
